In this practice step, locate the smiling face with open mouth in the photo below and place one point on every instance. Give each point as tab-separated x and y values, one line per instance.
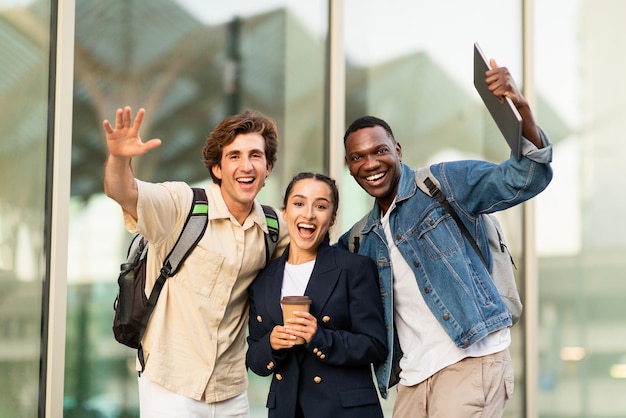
242	171
374	160
309	212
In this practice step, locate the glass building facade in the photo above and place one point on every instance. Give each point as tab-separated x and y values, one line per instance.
314	66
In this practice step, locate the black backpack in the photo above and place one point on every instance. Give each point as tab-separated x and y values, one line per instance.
132	308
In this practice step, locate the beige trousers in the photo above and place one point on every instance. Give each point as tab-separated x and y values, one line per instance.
473	387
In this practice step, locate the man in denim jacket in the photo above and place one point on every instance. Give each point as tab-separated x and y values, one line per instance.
447	325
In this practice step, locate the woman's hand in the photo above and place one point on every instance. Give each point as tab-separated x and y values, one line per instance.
303	324
281	339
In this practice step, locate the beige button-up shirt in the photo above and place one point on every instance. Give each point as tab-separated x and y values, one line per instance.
195	343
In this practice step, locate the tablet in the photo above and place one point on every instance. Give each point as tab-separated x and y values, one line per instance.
504	113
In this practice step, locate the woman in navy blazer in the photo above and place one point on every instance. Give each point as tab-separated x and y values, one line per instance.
330	374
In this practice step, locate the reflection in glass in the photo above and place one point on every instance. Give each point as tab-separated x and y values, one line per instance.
189	64
24	65
411	64
581	231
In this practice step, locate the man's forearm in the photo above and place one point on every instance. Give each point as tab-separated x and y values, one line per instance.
529	127
119	183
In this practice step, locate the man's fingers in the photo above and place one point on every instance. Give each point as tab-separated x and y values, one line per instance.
138	118
107	127
124	116
127	115
153	143
119	118
123	119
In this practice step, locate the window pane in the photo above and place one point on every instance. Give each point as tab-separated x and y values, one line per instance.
24	65
411	64
189	64
581	233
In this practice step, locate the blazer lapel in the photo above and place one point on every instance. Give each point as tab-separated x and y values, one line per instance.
323	279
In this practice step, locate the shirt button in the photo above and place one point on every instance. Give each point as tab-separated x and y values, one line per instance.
430	220
466	343
398	237
427	290
416	263
317	379
446	317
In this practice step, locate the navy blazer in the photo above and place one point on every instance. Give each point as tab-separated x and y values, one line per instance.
331	375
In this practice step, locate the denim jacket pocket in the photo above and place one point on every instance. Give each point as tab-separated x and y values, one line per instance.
438	234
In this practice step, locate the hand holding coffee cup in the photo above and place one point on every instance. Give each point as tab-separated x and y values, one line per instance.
291	304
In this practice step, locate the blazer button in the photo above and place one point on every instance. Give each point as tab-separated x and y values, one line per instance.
326	319
279	376
270	365
259	318
315	350
323	356
317	379
446	317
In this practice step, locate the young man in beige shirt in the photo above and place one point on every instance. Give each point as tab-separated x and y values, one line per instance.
194	344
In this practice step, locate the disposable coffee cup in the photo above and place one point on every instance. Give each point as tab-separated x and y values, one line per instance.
295	303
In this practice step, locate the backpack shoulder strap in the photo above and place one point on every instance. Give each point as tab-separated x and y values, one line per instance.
435	191
423	173
354	238
271	239
193	230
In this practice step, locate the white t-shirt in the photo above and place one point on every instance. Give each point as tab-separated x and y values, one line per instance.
426	346
296	278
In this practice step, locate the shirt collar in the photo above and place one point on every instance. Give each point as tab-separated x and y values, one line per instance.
218	209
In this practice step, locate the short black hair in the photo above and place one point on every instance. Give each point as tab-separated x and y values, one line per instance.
368	122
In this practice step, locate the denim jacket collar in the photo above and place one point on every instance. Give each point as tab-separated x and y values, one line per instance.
406	189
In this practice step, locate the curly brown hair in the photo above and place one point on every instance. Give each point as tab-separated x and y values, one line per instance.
249	121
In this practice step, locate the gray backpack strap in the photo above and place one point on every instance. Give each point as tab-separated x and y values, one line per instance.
356	232
423	173
502	261
193	230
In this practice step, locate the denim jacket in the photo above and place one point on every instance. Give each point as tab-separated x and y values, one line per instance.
450	275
